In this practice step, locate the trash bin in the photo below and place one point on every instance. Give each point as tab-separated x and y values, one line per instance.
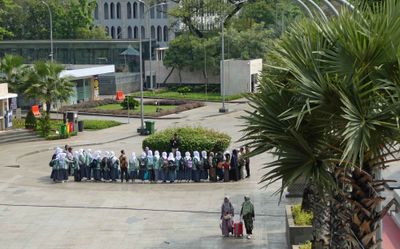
63	130
150	126
71	127
80	126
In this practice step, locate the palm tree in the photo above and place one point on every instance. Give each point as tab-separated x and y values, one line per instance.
12	69
45	84
334	119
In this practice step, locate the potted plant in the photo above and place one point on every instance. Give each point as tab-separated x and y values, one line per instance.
298	225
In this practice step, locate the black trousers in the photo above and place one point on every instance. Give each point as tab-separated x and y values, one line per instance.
124	171
248	169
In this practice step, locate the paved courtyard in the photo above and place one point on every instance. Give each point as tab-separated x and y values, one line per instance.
35	213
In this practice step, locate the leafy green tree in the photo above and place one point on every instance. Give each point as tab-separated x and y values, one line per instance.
72	19
334	119
45	84
5	7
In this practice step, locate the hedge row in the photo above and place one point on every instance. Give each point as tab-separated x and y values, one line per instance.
192	138
88	104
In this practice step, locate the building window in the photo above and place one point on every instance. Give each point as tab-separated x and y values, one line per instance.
159	11
165	33
159	33
153	32
112	11
141	10
112	32
135	10
119	33
143	33
152	12
128	10
165	11
96	12
106	11
129	32
135	32
118	11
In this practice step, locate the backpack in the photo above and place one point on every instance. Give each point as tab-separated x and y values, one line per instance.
206	165
189	164
171	165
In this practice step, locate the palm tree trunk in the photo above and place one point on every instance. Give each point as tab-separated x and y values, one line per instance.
321	216
365	199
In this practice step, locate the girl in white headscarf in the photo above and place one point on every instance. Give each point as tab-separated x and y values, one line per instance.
88	163
196	167
156	165
82	164
150	165
133	166
171	167
142	166
164	167
204	167
114	167
75	169
188	166
180	166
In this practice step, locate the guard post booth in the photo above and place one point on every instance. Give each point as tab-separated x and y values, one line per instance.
5	110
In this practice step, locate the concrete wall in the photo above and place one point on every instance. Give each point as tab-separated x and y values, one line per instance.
188	77
3	89
237	75
109	84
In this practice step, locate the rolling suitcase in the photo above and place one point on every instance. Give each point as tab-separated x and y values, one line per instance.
238	229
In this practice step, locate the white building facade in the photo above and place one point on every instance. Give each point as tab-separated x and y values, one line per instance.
128	19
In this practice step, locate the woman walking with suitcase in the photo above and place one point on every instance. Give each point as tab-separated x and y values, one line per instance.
227	213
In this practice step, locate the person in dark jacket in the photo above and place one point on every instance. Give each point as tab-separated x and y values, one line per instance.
123	160
175	143
235	165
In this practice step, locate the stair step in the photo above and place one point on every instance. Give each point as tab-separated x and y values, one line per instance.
18	135
21	140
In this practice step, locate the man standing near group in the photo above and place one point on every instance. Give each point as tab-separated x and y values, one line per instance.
175	143
124	166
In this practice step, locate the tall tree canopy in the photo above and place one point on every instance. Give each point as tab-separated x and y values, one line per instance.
29	19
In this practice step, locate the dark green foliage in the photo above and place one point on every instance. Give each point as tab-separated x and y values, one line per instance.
191	139
44	125
99	124
131	101
196	88
183	90
30	121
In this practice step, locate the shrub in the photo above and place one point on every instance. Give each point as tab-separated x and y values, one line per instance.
44	125
184	90
192	138
99	124
301	218
306	245
30	121
131	101
19	123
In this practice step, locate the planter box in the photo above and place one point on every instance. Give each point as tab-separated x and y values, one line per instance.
296	235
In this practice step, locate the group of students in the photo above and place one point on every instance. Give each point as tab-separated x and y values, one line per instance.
173	167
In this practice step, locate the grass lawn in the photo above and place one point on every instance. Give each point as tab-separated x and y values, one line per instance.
148	109
188	96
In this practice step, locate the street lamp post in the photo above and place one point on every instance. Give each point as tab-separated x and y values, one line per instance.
141	129
51	31
150	38
223	108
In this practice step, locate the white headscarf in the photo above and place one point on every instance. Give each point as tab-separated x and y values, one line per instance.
89	151
143	156
187	155
133	157
113	157
76	154
178	155
226	152
58	150
112	154
171	157
204	154
196	155
164	155
106	154
150	154
96	155
157	154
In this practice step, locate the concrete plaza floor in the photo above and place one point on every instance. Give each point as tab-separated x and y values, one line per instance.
36	213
